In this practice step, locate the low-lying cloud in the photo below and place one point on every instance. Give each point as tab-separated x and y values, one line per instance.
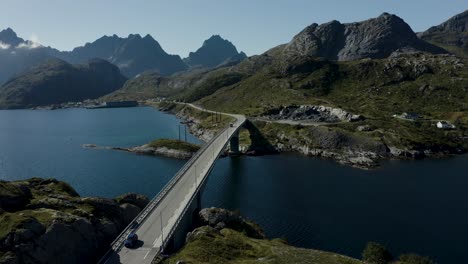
4	46
29	45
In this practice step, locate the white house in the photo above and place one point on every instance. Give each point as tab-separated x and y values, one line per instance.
445	125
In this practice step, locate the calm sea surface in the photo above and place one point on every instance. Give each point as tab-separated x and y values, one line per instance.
411	206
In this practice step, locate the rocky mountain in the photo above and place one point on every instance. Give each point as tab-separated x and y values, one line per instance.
375	38
312	72
133	55
46	221
452	34
57	81
9	37
17	54
215	51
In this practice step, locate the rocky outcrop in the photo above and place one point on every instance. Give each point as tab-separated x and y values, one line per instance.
311	113
219	219
58	226
374	38
160	151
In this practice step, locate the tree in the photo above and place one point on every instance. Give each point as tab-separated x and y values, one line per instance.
414	259
374	253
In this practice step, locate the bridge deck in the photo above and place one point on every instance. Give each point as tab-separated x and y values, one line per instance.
159	219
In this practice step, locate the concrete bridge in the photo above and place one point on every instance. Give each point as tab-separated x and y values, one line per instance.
164	223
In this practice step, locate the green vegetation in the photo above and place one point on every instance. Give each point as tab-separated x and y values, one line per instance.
206	120
413	259
174	144
433	86
375	253
232	247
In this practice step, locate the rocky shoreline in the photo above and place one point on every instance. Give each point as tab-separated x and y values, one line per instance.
148	149
345	148
226	237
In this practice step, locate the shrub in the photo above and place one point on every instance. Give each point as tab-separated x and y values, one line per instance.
414	259
375	253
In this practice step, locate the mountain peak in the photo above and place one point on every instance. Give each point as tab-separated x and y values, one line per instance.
373	38
214	51
8	36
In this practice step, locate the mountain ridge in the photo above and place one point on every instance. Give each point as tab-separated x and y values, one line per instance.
451	34
374	38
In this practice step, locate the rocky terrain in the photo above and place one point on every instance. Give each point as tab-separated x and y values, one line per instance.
226	237
46	221
311	113
375	38
57	81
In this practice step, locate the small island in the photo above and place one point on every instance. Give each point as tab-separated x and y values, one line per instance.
171	148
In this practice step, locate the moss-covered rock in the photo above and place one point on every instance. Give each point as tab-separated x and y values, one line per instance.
46	221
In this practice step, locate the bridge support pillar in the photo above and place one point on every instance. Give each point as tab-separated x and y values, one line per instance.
234	143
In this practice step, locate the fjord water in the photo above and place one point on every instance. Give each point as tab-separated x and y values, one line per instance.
413	206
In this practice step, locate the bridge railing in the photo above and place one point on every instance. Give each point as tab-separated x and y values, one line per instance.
167	238
142	216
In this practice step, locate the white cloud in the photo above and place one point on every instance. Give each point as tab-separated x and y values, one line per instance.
30	44
4	46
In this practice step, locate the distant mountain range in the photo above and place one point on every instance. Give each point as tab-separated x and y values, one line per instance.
133	54
376	38
317	50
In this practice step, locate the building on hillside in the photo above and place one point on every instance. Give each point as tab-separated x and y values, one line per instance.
409	116
445	125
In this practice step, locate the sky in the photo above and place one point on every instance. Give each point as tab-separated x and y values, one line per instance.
181	26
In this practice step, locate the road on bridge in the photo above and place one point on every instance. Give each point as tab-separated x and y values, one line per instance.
159	219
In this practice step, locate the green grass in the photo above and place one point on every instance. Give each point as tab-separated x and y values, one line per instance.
174	144
232	247
206	121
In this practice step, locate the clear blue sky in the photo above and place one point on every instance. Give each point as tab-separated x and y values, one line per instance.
181	26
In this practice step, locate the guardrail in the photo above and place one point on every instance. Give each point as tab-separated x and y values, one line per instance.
179	218
117	244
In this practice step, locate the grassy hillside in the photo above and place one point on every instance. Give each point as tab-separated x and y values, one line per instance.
232	247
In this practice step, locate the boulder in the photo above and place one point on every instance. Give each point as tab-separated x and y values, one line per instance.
132	198
221	218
